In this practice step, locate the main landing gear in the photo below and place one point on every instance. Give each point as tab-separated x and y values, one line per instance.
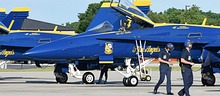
61	71
208	78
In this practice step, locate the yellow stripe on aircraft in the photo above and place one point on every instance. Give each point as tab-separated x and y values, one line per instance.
107	4
55	28
2	10
21	9
204	21
11	24
106	62
170	24
71	33
142	2
3	27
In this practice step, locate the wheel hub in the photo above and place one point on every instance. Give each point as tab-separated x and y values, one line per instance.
89	78
133	81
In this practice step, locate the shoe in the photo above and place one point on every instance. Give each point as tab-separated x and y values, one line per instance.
180	94
105	82
170	94
155	91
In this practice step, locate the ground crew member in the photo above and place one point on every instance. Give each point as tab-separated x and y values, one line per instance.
104	70
165	69
186	64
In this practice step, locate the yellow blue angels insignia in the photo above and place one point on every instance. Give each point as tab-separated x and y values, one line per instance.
6	53
149	49
108	48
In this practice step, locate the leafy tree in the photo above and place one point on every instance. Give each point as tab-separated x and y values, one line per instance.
172	15
85	18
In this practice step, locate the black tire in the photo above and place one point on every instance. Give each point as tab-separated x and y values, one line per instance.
147	78
88	78
125	81
133	81
208	80
61	77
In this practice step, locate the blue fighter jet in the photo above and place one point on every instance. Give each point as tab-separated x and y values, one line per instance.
105	44
19	33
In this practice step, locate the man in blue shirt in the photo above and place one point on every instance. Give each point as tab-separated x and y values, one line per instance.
165	69
186	64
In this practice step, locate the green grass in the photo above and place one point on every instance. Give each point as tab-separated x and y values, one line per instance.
176	68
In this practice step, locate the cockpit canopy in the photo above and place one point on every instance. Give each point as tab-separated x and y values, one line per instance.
129	10
103	27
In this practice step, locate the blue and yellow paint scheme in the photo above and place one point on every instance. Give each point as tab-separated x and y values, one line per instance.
92	45
14	41
2	13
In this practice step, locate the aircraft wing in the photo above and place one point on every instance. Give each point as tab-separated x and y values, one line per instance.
129	10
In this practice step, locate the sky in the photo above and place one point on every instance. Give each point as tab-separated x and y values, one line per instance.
62	11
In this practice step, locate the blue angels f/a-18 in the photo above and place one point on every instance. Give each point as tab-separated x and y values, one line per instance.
19	33
105	44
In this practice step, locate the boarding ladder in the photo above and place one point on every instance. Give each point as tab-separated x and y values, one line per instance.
142	62
3	64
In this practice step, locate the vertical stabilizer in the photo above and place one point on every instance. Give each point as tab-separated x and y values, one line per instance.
2	13
106	14
15	18
143	5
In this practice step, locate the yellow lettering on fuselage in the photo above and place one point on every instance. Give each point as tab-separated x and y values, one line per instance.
149	49
6	53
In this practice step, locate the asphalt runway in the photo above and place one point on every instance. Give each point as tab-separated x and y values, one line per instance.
43	83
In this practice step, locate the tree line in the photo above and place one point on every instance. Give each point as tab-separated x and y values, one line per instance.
193	15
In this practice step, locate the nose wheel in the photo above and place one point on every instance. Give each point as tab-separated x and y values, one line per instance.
88	78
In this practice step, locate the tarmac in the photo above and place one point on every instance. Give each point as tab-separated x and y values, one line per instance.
44	84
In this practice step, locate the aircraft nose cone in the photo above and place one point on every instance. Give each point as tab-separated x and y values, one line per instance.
47	52
38	53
